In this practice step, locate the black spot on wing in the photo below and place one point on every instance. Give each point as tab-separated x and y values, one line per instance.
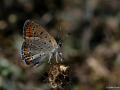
41	33
49	40
45	36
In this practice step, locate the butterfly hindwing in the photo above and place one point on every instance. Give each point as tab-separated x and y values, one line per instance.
31	57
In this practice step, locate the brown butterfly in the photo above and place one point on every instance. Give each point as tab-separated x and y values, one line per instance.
38	44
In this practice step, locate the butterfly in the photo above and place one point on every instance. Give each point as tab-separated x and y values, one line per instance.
38	44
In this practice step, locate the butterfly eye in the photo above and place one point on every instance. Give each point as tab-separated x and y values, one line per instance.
41	33
60	44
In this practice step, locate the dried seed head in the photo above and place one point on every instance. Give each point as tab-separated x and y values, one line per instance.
58	76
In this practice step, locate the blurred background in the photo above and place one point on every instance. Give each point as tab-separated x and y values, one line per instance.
88	29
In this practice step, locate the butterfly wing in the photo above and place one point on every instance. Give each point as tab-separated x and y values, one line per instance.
38	42
32	29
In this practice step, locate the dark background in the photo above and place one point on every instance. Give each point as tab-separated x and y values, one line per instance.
88	29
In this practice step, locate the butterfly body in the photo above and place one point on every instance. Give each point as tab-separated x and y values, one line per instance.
38	44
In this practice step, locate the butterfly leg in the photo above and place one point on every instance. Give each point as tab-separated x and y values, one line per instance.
50	56
61	56
56	57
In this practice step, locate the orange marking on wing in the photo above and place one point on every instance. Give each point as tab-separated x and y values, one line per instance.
26	52
29	32
27	55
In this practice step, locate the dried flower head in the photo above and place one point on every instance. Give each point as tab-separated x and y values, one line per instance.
58	76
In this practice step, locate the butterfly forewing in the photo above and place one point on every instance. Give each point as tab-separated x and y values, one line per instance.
33	29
